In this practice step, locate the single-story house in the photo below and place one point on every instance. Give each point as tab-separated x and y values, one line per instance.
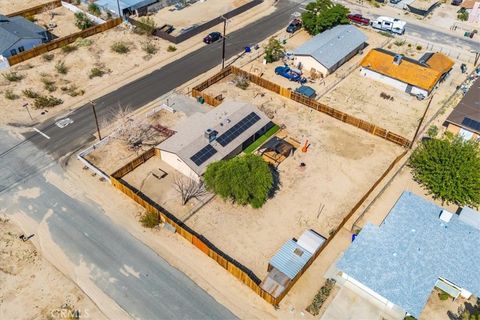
465	117
290	261
207	137
416	77
422	7
328	50
417	247
18	34
126	6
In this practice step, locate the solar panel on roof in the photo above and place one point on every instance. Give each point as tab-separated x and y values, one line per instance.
475	125
238	129
203	155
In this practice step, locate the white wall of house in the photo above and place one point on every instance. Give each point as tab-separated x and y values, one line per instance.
4	63
175	162
76	9
308	63
27	44
391	82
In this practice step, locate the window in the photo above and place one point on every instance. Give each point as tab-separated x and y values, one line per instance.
13	52
21	49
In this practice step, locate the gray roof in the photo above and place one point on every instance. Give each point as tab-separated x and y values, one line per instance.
468	108
190	138
287	261
16	28
403	258
331	46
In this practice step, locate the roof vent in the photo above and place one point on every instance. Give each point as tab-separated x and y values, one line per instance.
298	252
445	216
397	59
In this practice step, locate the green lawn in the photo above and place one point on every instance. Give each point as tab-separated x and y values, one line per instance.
257	143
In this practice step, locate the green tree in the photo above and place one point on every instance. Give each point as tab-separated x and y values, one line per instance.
321	15
274	50
245	180
449	168
82	21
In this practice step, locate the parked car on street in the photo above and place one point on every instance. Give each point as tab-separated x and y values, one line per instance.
359	19
288	73
212	37
457	2
294	26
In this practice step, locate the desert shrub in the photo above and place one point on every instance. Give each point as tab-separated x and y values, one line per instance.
48	56
10	95
29	93
442	295
120	47
150	219
171	48
321	297
82	21
241	82
274	50
146	26
83	42
386	34
409	45
46	102
61	67
13	76
69	48
419	47
432	131
462	16
73	90
48	84
149	47
94	9
96	72
399	43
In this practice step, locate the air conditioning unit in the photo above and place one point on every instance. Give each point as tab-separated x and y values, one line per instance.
445	216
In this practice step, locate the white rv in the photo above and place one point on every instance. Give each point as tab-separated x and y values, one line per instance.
389	24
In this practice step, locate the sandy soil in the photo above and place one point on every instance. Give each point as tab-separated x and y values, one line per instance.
11	6
31	288
439	309
196	14
118	152
63	19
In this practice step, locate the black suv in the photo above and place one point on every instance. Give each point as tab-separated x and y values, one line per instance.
212	37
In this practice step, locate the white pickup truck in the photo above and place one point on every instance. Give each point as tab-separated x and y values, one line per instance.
389	24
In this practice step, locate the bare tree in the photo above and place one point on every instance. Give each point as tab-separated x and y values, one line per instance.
127	129
188	188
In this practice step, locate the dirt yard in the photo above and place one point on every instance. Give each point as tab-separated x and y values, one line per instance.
31	288
11	6
118	151
63	21
195	14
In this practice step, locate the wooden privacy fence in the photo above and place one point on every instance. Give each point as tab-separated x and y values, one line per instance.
242	273
60	42
37	9
311	103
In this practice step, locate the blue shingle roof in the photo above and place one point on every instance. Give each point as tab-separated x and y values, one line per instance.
331	46
16	28
403	258
287	261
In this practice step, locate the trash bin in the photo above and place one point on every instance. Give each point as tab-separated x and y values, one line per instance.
201	100
248	49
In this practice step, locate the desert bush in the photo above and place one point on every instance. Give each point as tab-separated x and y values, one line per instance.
13	76
386	34
442	295
82	21
241	82
419	47
69	48
462	16
29	93
120	47
96	72
321	297
48	84
10	95
149	47
150	219
171	48
399	43
146	26
274	50
46	102
94	9
48	56
83	42
61	67
73	90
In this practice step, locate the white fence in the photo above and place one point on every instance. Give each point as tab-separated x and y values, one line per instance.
75	9
81	156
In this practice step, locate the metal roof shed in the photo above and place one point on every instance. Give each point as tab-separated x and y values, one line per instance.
290	259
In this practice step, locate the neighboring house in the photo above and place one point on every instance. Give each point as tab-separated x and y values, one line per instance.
422	7
328	50
127	6
17	34
207	137
465	117
417	247
416	77
474	15
290	262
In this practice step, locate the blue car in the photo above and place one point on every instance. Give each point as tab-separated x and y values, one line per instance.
288	73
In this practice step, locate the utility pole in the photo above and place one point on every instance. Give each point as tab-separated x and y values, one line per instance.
119	10
223	42
25	105
96	120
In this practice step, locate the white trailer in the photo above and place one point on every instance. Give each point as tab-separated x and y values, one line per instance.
389	24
